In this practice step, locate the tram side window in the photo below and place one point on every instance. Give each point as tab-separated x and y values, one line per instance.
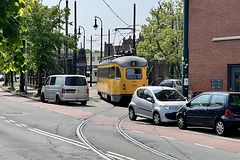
105	72
134	73
112	73
118	73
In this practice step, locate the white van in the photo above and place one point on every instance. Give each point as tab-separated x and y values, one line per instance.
68	88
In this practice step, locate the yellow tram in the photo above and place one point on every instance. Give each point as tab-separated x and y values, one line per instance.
119	77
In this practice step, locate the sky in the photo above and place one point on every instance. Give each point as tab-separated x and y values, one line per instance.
88	9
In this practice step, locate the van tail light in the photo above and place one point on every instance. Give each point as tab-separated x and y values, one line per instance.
87	91
228	112
124	87
63	91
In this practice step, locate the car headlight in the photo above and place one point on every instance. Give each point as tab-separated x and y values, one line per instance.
165	106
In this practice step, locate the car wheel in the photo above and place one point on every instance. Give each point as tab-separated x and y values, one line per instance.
221	129
181	123
156	118
58	101
131	114
43	98
84	103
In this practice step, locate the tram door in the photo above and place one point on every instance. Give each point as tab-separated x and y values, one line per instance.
234	78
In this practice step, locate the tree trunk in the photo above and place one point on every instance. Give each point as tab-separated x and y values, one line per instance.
11	79
40	79
22	82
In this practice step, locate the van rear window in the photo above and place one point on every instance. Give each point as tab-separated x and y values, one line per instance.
75	81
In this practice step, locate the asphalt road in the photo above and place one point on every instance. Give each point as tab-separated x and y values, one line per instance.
35	130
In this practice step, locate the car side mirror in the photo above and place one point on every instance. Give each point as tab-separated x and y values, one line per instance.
188	104
150	99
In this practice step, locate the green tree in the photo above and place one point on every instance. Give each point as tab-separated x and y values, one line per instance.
163	36
12	26
43	38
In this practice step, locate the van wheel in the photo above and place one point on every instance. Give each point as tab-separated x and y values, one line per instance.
84	103
43	98
58	101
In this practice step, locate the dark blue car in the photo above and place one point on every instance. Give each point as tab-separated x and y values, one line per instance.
219	110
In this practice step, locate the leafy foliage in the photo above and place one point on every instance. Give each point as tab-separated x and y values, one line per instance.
12	25
44	37
163	36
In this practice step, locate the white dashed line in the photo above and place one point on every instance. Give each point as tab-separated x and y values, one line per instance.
18	125
7	121
204	145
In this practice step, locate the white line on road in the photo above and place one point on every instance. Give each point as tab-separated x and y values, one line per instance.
2	117
24	125
203	145
19	125
168	137
64	139
118	156
7	121
12	121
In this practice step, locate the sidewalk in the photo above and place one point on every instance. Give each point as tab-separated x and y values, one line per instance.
29	94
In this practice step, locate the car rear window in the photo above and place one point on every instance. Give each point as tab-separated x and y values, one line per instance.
234	100
168	95
75	81
167	83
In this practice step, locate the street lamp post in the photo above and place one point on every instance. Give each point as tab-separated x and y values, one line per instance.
95	26
79	33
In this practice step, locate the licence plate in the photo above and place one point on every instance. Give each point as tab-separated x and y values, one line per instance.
70	91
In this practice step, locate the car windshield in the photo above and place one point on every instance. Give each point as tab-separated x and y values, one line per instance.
167	83
75	81
234	100
168	95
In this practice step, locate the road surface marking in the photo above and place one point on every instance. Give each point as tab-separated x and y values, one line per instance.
118	156
203	145
63	139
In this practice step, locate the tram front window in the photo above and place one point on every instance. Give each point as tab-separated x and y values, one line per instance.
133	73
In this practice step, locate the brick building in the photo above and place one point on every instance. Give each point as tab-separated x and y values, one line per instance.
214	45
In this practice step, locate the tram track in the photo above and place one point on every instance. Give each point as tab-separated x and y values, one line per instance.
81	136
124	134
119	128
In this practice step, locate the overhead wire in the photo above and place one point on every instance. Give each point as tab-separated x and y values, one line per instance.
115	13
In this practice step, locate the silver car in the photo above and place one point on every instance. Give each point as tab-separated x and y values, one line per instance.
157	103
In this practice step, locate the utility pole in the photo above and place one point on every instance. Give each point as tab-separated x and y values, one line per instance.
66	49
185	58
91	64
75	37
109	42
134	29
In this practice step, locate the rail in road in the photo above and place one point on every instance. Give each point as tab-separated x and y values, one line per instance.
108	156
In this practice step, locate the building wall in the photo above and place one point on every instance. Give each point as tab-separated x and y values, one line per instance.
208	60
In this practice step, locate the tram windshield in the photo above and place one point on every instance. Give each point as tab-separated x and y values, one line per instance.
134	73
